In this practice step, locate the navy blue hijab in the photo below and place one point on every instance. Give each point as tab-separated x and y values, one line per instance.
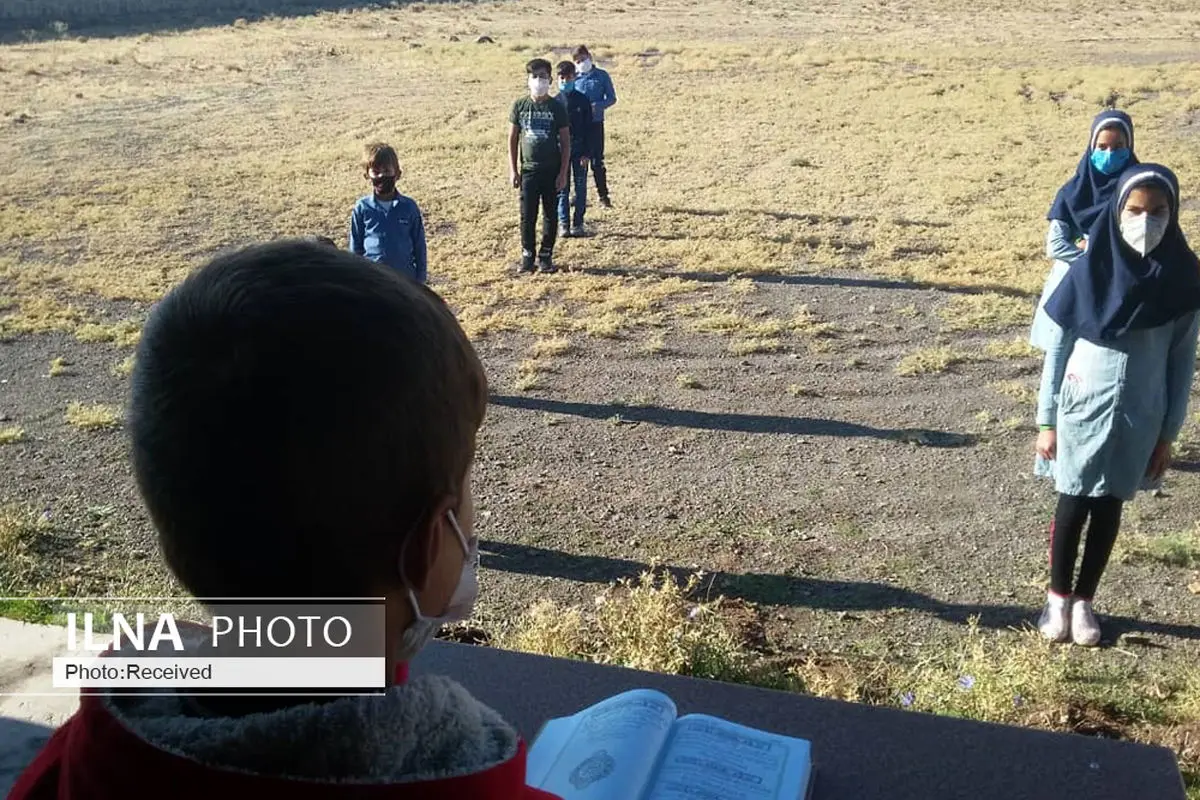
1112	289
1083	198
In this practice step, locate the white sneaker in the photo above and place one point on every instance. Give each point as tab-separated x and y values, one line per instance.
1055	622
1085	628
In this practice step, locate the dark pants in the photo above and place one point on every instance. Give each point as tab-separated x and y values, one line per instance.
1103	518
579	173
538	191
596	140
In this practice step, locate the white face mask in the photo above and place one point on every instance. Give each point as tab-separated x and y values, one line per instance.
1143	232
461	604
539	87
585	65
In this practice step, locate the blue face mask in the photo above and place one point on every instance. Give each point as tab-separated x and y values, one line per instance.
1110	161
566	86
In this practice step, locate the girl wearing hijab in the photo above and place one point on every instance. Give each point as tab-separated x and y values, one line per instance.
1080	201
1118	370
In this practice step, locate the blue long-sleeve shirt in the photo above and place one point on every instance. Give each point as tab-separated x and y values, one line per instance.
597	87
390	232
1060	241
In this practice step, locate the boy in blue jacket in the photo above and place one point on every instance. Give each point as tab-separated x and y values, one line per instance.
595	84
386	226
579	112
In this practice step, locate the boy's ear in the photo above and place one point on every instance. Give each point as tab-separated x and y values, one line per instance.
429	538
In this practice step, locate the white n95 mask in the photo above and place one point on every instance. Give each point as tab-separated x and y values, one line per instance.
461	604
1144	232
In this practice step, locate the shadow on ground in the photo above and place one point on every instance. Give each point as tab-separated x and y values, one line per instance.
98	18
787	279
738	423
795	591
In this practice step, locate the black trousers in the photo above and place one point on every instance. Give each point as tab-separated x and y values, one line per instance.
596	140
1103	518
538	192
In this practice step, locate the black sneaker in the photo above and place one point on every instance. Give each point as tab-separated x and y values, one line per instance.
526	267
604	201
546	265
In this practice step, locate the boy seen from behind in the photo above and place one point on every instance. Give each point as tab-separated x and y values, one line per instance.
303	425
539	153
579	112
386	226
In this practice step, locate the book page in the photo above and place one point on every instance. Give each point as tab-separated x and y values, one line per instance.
711	759
606	752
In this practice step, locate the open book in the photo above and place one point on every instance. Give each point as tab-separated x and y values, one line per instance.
634	746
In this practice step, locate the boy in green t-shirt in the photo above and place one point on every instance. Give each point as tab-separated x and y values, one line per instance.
541	137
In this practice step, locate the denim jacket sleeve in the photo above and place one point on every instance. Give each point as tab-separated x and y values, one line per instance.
1181	367
356	232
420	254
1060	242
1058	352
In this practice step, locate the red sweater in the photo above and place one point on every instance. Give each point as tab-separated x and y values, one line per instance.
96	755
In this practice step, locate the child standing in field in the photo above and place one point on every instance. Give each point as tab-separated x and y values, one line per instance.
1120	357
579	112
386	226
539	152
1080	201
596	85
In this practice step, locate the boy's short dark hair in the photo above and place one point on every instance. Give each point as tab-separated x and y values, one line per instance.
566	68
325	240
378	155
537	65
296	413
581	53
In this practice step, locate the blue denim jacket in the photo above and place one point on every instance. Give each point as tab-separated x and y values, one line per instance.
597	87
390	233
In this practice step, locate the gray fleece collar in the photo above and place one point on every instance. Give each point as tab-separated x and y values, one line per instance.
428	729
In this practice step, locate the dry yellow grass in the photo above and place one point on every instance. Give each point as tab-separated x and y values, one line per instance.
929	360
58	366
1010	349
1017	390
744	347
125	368
688	382
92	416
548	348
985	312
90	215
11	434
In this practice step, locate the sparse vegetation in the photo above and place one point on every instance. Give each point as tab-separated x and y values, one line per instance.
1180	549
985	312
58	366
125	368
548	348
11	434
1010	348
929	361
92	416
688	382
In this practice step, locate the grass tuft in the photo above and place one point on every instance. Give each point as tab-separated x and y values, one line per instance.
929	361
1010	349
93	416
1181	549
58	366
11	435
985	312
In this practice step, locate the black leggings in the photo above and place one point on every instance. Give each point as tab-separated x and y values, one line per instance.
1065	532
